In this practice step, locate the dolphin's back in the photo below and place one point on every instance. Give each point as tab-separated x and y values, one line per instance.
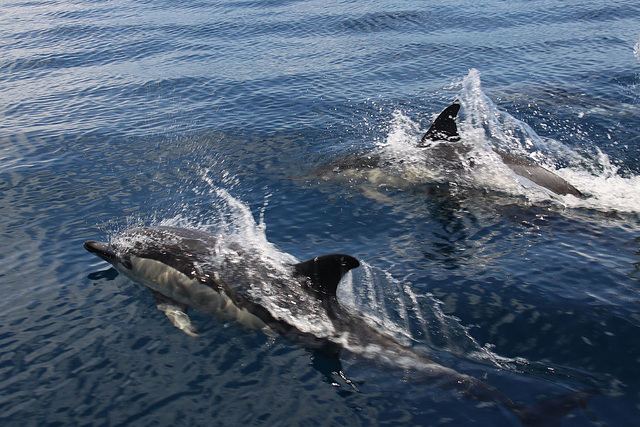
179	248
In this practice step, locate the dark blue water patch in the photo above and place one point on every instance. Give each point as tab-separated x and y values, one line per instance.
260	4
45	63
400	21
559	282
606	13
479	19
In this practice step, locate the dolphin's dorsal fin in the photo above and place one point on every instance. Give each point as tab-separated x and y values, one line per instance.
324	272
443	127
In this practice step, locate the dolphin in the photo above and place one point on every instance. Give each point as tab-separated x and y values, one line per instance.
187	267
443	141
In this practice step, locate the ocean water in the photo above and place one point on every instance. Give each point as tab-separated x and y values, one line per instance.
216	115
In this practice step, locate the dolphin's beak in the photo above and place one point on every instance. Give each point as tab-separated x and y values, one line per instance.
101	249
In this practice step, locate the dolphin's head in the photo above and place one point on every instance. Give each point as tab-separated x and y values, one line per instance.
104	251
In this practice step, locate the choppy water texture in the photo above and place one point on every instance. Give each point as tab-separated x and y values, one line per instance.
216	114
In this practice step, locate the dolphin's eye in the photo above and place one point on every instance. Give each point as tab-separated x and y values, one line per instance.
126	263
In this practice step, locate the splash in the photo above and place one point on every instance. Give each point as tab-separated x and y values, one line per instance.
483	128
591	171
391	305
636	50
610	192
400	140
233	219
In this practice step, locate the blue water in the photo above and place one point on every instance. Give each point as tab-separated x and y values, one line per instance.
123	113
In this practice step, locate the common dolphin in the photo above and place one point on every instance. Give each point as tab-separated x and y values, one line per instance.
446	151
187	267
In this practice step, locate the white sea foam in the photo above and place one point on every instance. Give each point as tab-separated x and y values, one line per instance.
591	172
483	127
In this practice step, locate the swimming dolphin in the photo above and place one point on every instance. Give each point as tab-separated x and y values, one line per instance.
190	268
449	154
187	267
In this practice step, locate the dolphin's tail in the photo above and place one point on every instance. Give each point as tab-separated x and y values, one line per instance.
551	411
548	412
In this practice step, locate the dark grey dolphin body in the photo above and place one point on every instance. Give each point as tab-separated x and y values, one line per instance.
448	156
186	267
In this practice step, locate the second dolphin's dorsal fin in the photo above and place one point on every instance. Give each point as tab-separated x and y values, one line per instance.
443	127
324	272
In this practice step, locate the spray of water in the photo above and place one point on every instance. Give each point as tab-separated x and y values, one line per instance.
591	171
484	127
391	305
